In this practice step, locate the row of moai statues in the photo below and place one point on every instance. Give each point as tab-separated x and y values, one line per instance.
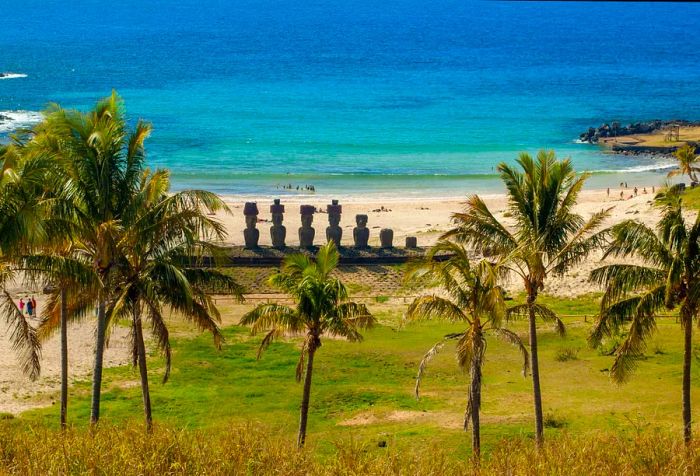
278	232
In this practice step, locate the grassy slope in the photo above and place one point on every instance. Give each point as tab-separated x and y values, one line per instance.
373	382
691	198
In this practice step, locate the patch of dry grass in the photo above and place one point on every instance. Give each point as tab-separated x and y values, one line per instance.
255	449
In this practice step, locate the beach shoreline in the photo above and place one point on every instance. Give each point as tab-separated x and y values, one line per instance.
426	218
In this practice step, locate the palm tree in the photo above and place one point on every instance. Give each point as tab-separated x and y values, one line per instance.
321	309
47	258
668	276
546	237
687	161
473	296
156	267
22	226
114	207
102	163
63	275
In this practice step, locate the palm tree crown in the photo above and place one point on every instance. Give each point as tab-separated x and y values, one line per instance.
687	162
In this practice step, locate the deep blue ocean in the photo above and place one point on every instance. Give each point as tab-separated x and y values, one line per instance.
364	96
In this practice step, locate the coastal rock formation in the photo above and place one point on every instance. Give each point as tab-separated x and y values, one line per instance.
306	231
386	238
360	234
278	232
614	129
334	232
251	234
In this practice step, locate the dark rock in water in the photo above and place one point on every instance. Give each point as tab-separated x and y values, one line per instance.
593	134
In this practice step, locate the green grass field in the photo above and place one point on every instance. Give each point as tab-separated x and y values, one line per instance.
364	391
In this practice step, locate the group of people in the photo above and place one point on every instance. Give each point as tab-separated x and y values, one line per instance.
636	191
27	306
308	188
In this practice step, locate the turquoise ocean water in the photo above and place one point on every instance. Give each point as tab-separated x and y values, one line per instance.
360	97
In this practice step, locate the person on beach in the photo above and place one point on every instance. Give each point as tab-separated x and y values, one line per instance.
21	305
608	191
635	191
34	305
30	308
622	194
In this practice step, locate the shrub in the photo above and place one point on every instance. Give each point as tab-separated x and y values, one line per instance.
565	354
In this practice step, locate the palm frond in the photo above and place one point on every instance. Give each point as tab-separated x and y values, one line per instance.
23	336
429	356
512	338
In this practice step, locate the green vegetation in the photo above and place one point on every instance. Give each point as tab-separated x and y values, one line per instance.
365	392
635	294
691	198
687	162
84	215
546	237
474	298
322	310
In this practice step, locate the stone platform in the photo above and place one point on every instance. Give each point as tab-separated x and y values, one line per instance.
268	256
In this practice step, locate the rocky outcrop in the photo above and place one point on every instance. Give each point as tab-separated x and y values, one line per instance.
615	129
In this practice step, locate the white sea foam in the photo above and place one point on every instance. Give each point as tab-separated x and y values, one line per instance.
640	168
12	120
12	75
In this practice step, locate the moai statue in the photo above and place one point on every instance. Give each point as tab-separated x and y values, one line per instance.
278	232
411	242
360	233
251	234
386	238
306	232
334	232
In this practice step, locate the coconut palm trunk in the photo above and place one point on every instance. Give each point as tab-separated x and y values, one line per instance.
536	392
687	359
304	413
64	358
475	402
99	360
143	370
